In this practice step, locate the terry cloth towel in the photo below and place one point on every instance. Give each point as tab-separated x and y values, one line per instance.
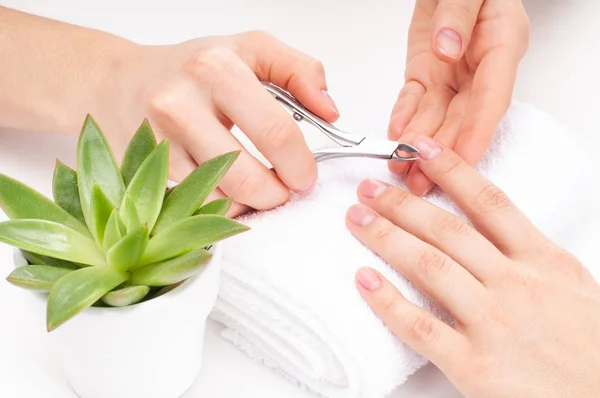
288	297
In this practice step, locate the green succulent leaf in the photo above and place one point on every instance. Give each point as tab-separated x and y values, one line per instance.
129	214
65	191
34	258
78	290
147	188
126	253
218	206
115	230
20	201
37	277
190	234
140	146
96	164
51	239
188	196
171	271
125	296
101	208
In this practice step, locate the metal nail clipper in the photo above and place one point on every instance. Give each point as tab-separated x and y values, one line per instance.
351	145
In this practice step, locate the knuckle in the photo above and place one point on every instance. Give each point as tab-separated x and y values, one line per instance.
257	36
450	165
383	233
248	187
491	199
277	133
210	63
432	262
445	225
394	199
315	66
391	308
163	105
422	329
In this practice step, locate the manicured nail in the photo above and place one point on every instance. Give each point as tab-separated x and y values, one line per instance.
368	278
428	148
372	188
309	190
329	101
360	215
449	43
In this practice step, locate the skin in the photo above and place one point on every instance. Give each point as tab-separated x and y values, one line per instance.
192	92
527	313
461	66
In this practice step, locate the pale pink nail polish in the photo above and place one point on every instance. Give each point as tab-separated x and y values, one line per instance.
449	43
368	278
428	148
372	188
361	215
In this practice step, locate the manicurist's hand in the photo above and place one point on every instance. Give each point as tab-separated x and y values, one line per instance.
194	92
460	71
526	313
191	92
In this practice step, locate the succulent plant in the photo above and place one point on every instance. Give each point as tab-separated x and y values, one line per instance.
114	236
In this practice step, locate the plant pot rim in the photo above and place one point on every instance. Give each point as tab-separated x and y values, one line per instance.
163	300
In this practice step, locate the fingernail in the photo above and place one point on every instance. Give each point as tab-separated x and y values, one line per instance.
308	190
368	278
428	148
449	43
329	101
372	188
360	215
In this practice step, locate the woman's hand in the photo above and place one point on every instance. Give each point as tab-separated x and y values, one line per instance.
194	92
460	71
526	313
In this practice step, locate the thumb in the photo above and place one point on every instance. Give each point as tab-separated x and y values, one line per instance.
452	27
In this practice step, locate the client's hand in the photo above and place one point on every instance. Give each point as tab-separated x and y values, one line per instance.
526	312
460	71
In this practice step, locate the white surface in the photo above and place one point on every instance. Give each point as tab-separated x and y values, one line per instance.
363	47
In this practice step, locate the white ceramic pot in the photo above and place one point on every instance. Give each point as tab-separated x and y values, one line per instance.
149	350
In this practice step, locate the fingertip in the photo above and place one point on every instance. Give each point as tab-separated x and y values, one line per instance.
316	97
418	183
367	279
399	168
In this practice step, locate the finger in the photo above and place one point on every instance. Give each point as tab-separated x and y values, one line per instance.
432	225
182	164
240	96
300	74
491	94
488	207
426	121
452	27
179	113
405	108
430	270
417	182
419	329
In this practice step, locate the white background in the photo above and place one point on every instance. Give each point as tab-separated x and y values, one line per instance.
362	45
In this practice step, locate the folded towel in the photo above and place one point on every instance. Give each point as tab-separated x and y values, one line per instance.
288	298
